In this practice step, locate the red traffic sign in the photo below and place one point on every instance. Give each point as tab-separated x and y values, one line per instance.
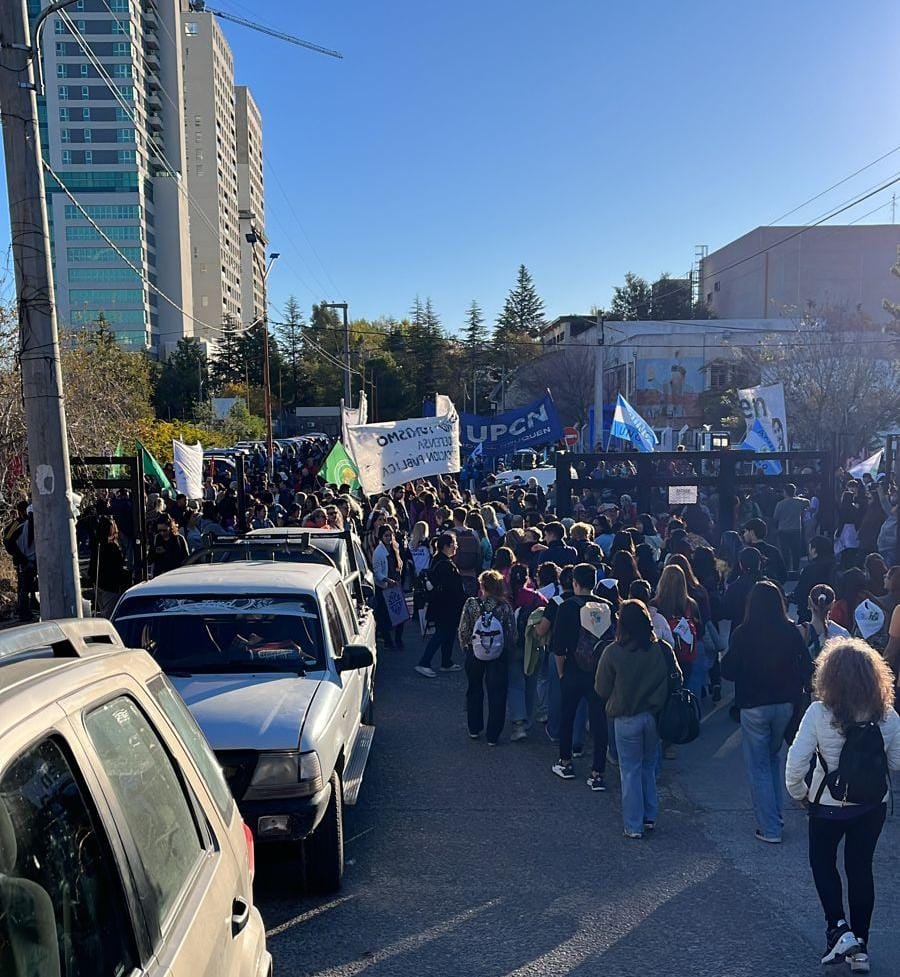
570	437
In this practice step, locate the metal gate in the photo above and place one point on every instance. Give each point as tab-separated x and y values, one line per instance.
728	472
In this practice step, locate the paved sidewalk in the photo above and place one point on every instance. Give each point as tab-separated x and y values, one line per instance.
467	860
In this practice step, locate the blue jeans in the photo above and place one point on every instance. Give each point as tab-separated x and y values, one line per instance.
521	691
763	737
554	707
696	676
442	638
638	746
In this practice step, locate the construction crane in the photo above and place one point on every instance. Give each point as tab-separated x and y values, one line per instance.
201	7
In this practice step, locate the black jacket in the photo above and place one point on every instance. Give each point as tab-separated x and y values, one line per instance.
734	603
819	571
773	565
446	599
767	668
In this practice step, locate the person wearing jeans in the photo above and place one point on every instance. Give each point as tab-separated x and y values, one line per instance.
768	662
633	678
762	730
853	684
583	612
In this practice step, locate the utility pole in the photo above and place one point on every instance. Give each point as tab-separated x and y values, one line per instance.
42	392
348	389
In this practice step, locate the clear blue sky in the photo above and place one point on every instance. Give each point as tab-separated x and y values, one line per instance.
581	137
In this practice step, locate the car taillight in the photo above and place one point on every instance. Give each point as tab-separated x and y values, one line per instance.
251	855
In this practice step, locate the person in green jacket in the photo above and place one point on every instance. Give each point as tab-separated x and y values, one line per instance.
633	678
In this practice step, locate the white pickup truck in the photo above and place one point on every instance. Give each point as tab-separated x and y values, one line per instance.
277	665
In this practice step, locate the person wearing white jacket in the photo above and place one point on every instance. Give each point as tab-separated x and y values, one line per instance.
854	687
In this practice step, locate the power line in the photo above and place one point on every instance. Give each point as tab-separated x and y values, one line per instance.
839	183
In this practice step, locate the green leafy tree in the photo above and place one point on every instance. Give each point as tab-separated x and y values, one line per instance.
182	380
631	301
671	298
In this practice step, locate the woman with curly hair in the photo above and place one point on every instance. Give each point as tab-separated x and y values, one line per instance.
855	692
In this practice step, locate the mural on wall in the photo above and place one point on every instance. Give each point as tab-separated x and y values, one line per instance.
668	387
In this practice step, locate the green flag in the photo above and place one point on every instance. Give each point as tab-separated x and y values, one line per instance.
153	468
339	468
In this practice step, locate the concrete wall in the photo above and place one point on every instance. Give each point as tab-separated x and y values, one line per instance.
772	269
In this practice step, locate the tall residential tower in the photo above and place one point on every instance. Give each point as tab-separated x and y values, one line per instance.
250	205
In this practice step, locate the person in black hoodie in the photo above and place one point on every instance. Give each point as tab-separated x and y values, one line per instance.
755	532
768	662
820	569
445	603
734	603
557	551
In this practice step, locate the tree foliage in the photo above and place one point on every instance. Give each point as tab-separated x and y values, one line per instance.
523	311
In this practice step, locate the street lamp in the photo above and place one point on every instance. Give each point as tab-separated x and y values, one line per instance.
254	238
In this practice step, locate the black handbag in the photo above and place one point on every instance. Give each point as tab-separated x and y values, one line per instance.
679	719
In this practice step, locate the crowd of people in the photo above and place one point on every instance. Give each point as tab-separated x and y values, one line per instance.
580	630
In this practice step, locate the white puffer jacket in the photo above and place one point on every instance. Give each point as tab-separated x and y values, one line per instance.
818	733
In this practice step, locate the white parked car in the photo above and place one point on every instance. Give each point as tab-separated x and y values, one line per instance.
277	665
121	848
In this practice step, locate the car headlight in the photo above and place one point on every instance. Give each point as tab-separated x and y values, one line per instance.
288	774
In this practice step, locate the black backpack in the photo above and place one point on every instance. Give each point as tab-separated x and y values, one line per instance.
862	773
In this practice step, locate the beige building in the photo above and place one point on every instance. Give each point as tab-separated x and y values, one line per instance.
773	271
251	209
211	150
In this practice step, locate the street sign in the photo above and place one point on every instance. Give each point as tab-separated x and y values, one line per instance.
682	494
570	436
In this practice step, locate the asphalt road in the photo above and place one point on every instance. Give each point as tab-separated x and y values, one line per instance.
468	860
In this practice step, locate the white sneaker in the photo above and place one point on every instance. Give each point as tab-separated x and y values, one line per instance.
859	961
841	944
518	733
426	671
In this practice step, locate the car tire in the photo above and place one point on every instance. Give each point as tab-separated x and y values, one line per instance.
324	850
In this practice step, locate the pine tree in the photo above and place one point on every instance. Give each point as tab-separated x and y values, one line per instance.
228	363
523	311
633	300
474	331
289	334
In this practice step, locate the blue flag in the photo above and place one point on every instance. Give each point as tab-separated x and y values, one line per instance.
630	426
760	440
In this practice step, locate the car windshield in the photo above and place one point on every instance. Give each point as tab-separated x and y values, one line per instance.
224	633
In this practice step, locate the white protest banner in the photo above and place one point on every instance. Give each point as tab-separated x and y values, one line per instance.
353	415
767	405
395	601
188	469
395	452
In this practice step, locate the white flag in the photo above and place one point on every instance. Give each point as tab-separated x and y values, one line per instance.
188	469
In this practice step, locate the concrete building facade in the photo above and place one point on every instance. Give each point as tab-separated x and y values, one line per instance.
251	207
112	129
771	272
211	151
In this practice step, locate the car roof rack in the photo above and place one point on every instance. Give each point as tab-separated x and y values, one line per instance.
64	638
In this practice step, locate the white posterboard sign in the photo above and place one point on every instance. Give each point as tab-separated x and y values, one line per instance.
682	494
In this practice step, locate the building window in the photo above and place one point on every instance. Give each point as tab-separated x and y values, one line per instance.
88	157
121	71
126	156
88	135
122	115
63	92
119	6
67	156
126	91
83	70
719	376
65	135
63	115
121	27
60	71
191	29
81	26
85	92
79	4
124	135
115	232
60	49
717	287
86	115
59	27
102	212
122	49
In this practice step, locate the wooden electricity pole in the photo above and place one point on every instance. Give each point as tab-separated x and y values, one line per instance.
42	391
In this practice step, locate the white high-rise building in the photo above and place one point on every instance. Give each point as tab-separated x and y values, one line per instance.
113	129
251	205
211	149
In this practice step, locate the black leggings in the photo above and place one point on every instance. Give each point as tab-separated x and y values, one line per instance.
860	836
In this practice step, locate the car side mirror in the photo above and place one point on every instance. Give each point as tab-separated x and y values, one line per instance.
354	658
